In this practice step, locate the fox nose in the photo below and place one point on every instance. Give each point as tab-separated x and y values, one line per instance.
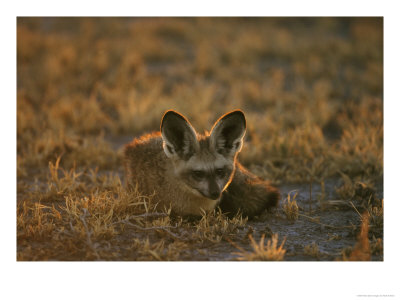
214	195
213	190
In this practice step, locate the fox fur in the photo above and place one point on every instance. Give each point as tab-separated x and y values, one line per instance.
192	172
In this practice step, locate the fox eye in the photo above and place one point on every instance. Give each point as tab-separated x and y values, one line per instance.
198	174
219	171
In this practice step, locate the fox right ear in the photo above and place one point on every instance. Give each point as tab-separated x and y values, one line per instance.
179	137
228	132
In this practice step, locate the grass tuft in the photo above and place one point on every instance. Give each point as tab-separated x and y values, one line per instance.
312	250
290	208
268	252
362	250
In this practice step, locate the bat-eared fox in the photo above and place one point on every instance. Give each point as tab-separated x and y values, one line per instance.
192	172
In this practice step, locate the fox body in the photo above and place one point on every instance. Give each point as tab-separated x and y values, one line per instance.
191	173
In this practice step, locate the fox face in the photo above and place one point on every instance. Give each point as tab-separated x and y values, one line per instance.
205	164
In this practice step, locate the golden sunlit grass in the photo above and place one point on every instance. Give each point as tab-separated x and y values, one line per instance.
214	226
85	86
290	208
268	252
85	213
113	88
158	250
361	251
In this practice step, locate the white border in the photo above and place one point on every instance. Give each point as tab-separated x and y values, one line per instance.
297	280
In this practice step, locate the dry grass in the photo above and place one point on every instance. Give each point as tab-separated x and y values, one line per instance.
290	208
312	250
268	68
262	252
314	111
88	216
361	251
377	247
214	226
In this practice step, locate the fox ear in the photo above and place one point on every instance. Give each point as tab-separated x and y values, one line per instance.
179	137
228	132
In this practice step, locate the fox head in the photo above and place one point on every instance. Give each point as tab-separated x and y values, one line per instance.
204	163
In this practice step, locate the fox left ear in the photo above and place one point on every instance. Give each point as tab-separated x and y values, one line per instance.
228	132
179	137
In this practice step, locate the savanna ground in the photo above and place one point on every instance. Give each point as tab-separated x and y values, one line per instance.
312	92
